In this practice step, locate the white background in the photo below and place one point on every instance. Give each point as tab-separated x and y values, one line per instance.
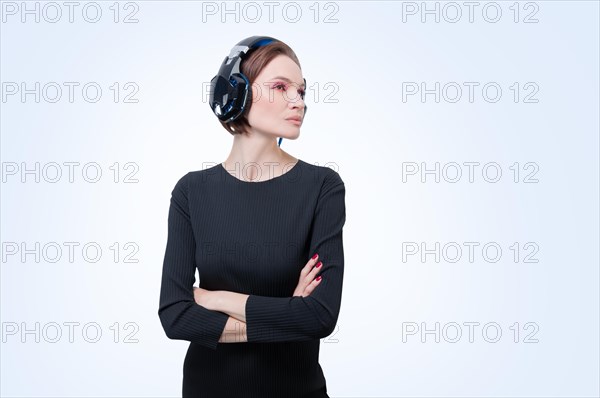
358	59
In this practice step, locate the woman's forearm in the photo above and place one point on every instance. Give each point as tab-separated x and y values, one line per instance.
234	332
231	303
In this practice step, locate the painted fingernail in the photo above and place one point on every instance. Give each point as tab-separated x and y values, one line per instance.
318	278
315	256
319	264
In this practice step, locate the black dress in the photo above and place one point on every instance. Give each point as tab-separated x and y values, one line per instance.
254	238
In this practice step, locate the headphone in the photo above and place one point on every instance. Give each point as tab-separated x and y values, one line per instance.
230	91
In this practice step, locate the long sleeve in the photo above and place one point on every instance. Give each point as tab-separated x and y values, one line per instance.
278	319
180	316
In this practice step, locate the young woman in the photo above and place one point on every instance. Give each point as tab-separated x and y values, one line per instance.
264	230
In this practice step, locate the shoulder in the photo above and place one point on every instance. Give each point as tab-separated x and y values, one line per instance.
328	172
185	186
180	188
325	176
195	177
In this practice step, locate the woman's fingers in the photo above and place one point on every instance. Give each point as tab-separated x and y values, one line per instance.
309	266
313	273
312	280
307	281
311	286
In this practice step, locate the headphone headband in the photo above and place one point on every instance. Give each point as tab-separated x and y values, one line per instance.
240	52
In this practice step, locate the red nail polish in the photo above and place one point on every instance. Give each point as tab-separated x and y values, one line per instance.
318	278
315	256
319	264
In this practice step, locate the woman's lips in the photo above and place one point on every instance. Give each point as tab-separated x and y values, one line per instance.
294	121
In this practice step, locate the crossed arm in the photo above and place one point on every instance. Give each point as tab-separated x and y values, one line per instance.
234	304
230	303
252	318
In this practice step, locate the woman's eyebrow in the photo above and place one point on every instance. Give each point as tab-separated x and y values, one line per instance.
287	80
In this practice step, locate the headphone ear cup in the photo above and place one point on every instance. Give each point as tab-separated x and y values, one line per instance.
239	95
228	98
230	93
219	95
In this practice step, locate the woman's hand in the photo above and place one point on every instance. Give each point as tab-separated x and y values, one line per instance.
307	282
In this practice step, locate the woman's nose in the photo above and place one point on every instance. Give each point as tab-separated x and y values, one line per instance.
297	101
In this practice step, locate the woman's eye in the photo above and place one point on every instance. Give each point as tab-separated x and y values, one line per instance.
284	87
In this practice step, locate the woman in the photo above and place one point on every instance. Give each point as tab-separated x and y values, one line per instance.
267	245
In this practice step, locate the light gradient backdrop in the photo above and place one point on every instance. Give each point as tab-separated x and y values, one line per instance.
402	307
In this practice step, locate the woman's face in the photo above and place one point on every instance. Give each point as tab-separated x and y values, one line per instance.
277	96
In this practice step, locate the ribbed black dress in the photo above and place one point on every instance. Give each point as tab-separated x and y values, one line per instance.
254	238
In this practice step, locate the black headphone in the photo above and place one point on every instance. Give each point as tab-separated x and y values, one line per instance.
230	91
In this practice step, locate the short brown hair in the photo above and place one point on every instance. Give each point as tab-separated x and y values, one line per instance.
257	60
